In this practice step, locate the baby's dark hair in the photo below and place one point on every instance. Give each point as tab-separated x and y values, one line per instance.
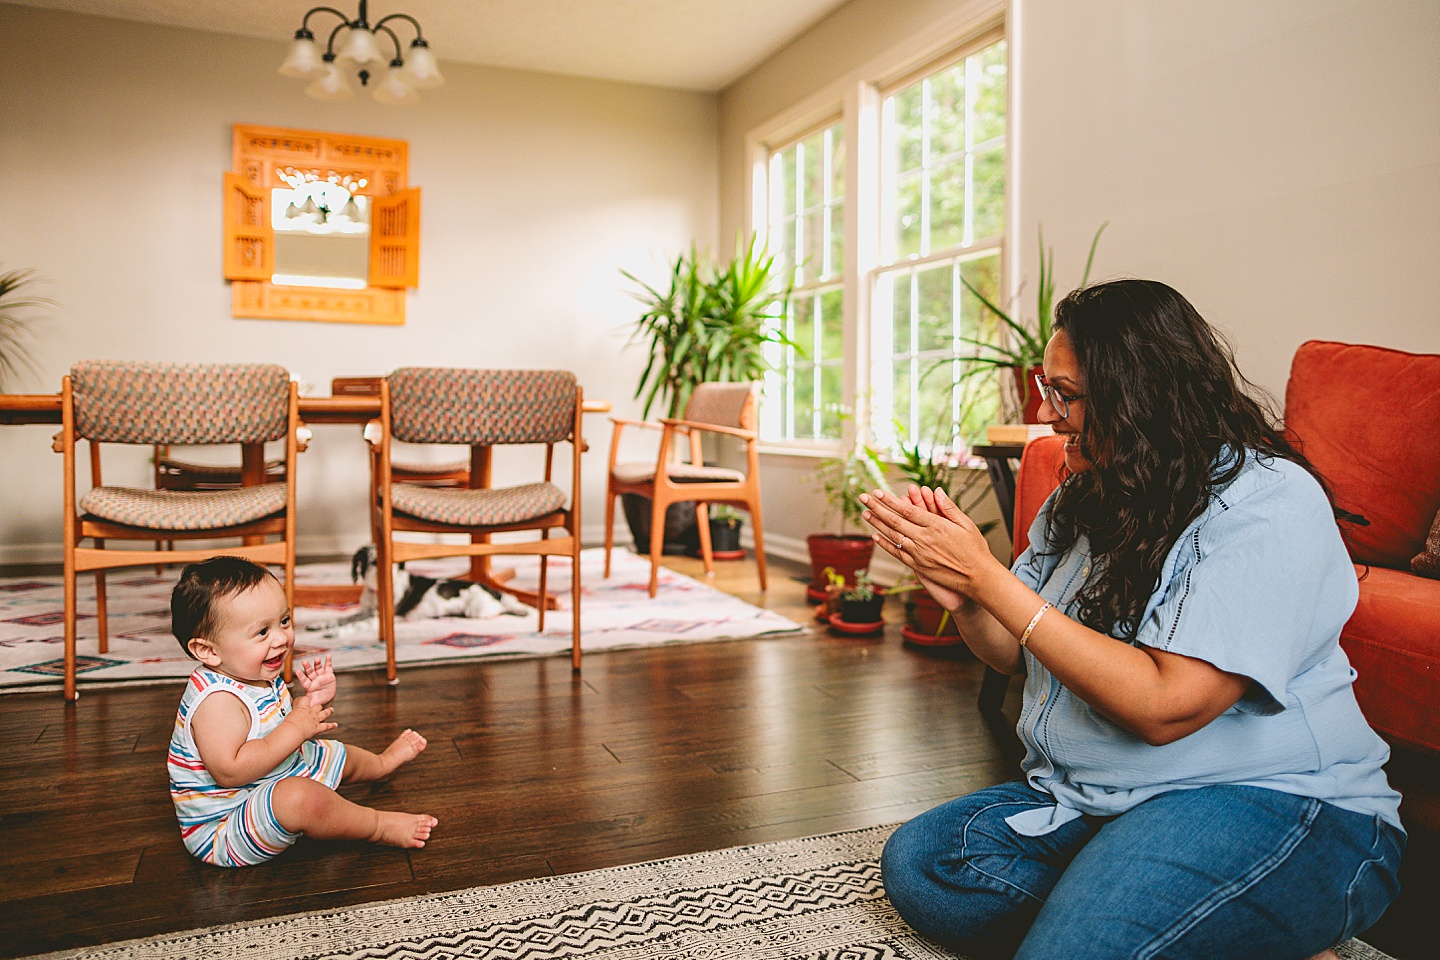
195	601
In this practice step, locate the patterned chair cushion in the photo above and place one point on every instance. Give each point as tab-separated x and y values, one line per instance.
450	405
677	472
722	404
477	508
180	403
184	509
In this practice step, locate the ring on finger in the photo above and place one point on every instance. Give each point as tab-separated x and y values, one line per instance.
900	544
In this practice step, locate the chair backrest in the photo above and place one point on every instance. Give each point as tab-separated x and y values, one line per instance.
1359	414
723	404
119	401
1042	467
456	405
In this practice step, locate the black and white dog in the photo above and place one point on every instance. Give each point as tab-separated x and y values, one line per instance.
419	598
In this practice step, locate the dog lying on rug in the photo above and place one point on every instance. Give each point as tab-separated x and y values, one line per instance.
418	598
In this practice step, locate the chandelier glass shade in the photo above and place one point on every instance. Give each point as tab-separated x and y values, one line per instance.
355	50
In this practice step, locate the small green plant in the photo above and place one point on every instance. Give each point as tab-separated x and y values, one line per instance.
724	514
843	479
17	311
863	589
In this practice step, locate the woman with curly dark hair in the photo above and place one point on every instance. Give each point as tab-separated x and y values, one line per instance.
1198	780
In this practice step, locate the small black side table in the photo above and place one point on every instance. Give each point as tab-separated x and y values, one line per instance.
997	457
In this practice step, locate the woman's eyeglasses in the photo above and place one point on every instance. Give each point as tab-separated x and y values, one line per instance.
1058	400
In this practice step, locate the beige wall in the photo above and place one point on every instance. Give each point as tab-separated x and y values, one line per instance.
537	190
1278	162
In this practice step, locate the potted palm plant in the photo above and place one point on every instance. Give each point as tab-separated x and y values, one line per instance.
1024	352
17	310
711	323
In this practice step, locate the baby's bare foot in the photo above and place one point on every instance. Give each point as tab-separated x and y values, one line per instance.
406	747
403	829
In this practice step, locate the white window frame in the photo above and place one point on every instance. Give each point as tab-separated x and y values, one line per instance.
856	100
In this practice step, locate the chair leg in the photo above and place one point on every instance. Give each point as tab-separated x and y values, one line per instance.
101	619
609	528
70	692
702	525
543	598
759	525
657	541
385	608
575	606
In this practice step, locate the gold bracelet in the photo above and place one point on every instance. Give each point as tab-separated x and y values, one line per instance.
1025	637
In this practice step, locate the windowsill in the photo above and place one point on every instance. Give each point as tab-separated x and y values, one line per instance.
806	452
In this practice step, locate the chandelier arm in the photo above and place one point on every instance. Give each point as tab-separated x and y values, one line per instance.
393	39
305	23
330	44
419	34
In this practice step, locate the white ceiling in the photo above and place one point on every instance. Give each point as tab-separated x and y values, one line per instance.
690	44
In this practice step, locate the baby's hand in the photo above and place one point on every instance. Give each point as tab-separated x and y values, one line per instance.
318	678
311	717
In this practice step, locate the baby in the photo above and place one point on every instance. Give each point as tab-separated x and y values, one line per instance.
247	775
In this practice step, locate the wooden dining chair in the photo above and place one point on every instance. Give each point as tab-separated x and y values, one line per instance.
167	403
480	409
728	409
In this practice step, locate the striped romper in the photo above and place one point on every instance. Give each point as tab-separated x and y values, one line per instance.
235	826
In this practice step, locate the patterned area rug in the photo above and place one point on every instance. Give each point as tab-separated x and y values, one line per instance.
818	898
615	613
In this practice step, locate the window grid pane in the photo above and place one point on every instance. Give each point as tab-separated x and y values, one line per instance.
943	192
807	216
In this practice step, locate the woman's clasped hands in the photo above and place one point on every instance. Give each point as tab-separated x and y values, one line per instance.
932	536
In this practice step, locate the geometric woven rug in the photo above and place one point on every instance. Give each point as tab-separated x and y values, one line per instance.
615	613
818	898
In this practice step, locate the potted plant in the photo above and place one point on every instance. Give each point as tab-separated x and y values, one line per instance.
711	323
1024	352
725	526
17	306
862	601
842	480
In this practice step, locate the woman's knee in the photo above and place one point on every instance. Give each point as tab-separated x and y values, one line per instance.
950	893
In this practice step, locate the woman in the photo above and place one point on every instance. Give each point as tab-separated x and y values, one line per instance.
1198	779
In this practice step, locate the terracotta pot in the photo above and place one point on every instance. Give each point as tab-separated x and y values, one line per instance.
923	616
845	554
1029	396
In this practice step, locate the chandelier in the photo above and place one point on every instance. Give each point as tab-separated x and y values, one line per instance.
359	50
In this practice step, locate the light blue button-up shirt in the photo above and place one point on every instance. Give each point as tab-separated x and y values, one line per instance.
1260	585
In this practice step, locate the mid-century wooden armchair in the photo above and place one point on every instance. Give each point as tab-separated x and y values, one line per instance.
166	403
729	409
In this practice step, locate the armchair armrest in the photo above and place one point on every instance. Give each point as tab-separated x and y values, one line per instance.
627	422
685	425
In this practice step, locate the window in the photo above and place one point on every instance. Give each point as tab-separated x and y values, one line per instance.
880	318
807	235
942	223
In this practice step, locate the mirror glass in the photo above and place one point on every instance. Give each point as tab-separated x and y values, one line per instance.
322	230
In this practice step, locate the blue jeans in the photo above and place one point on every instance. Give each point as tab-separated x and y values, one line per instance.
1221	871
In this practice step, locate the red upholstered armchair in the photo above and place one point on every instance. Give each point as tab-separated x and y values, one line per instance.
1355	411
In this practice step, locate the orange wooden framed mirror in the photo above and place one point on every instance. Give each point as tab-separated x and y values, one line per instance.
320	226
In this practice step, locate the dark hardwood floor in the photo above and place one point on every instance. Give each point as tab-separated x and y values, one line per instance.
530	770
